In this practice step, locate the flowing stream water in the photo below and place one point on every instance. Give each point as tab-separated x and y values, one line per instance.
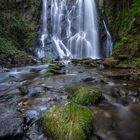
25	94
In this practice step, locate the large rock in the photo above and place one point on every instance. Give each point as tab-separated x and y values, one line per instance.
110	62
69	122
84	95
11	127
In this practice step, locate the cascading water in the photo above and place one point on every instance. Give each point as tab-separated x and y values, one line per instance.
73	28
44	30
57	14
109	43
85	43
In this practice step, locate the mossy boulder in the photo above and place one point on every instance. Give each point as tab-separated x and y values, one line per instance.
47	61
54	70
110	62
87	62
84	95
136	61
69	122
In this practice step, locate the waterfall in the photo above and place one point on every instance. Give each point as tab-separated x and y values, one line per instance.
73	27
44	30
109	43
85	43
57	14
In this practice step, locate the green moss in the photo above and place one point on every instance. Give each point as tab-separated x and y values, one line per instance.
69	122
84	95
110	62
53	70
136	61
48	61
87	62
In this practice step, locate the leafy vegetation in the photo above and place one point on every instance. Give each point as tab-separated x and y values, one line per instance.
7	47
18	25
124	17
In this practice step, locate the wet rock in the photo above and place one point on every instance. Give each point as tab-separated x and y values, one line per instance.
125	97
64	97
125	66
120	76
88	62
23	90
135	108
11	127
54	70
35	90
3	87
110	62
89	79
125	84
47	60
34	70
124	57
4	70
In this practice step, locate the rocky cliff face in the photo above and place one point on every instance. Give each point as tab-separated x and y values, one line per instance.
18	27
124	22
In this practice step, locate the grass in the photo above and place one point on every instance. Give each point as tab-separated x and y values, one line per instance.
69	122
84	95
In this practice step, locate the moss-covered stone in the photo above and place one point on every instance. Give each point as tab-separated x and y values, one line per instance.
110	62
87	62
54	70
69	122
48	61
136	61
84	95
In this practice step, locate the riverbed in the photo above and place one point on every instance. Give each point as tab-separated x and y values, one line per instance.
25	94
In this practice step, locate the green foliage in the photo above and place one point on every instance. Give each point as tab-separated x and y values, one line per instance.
7	47
29	39
84	95
69	122
124	17
18	25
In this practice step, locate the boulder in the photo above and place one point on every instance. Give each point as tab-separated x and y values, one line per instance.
11	127
69	122
110	62
84	95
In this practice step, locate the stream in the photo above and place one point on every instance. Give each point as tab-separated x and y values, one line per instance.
25	94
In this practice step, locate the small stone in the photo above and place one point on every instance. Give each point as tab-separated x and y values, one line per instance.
125	84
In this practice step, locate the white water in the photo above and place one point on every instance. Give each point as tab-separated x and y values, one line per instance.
44	30
81	43
85	43
109	43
